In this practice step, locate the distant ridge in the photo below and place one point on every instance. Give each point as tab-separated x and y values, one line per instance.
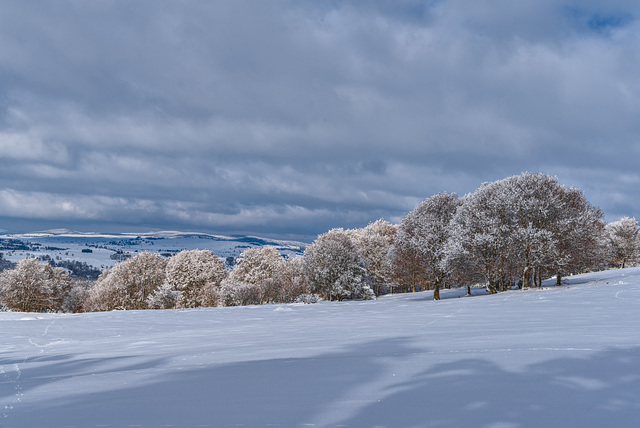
103	250
162	234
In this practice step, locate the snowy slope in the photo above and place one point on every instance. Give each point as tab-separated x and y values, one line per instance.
559	357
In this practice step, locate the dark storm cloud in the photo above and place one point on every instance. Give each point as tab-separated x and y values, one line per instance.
297	116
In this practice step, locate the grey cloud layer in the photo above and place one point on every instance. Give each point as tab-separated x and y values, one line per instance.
297	116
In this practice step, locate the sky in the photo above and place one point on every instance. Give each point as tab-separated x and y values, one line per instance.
291	117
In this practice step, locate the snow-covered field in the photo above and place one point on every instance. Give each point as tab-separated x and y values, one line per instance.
557	357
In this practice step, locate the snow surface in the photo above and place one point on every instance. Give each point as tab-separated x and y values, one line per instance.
558	357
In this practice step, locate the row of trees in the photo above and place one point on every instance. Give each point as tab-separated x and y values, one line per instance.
515	231
340	264
334	267
197	278
512	232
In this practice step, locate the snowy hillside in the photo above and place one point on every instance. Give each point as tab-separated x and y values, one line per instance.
557	357
101	250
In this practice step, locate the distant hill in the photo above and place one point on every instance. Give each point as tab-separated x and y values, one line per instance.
102	250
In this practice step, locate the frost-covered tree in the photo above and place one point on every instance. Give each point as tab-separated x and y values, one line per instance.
481	237
78	296
420	244
334	269
255	278
623	241
234	292
373	244
292	281
60	285
25	288
128	284
256	265
287	284
522	227
164	297
579	231
196	274
263	276
34	287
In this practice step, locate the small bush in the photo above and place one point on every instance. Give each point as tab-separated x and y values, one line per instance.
233	293
308	298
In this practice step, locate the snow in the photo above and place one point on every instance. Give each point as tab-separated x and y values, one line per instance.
562	356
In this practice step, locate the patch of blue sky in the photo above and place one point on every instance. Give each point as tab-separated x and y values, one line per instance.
601	24
598	22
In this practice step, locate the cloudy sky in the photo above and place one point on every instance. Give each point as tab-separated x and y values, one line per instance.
290	117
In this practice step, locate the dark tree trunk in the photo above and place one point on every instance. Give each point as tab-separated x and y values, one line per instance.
558	280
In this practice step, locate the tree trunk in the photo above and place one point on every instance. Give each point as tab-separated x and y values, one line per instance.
526	278
533	277
558	280
436	292
469	290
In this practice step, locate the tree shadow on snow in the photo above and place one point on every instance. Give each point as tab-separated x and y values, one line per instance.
21	375
279	392
600	389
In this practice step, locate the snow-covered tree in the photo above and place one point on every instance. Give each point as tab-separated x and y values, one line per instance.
59	285
579	231
261	276
292	282
420	244
128	284
623	240
256	265
78	295
234	292
523	227
482	237
196	274
34	287
164	297
334	269
373	244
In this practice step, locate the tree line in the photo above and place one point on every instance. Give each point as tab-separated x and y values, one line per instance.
509	233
